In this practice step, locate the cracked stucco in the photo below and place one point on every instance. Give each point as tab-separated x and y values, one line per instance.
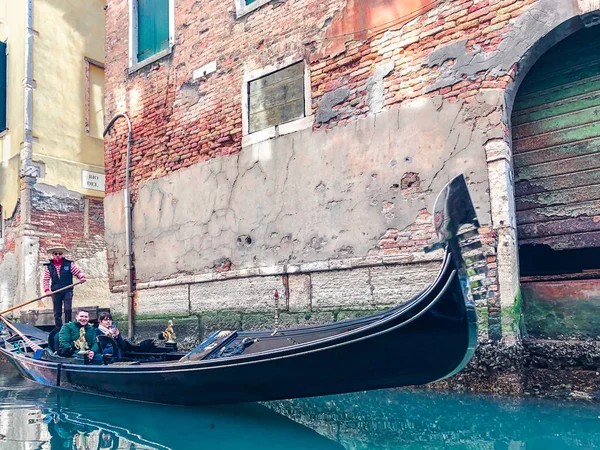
329	100
309	196
528	29
375	88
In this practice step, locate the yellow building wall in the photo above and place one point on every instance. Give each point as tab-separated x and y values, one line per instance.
69	31
12	31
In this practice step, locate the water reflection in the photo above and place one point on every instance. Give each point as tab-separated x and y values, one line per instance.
34	417
394	419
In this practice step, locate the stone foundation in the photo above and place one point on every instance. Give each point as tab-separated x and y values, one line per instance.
546	368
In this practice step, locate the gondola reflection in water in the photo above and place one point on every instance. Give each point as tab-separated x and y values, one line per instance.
32	415
425	339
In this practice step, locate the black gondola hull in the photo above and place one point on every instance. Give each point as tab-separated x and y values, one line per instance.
429	347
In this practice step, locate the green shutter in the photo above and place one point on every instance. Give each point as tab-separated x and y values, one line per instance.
3	105
153	27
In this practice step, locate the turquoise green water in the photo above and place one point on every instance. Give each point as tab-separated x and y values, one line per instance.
34	417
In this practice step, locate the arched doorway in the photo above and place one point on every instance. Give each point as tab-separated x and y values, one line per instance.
556	151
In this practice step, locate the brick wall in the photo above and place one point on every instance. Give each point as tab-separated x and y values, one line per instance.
179	121
77	222
81	231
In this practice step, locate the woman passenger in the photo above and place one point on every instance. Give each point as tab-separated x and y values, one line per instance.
107	328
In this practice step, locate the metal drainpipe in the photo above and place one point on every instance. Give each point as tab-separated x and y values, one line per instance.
28	113
27	170
128	231
26	153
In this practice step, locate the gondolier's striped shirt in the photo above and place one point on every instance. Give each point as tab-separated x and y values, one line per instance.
74	270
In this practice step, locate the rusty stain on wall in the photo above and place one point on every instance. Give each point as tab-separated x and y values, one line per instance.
360	19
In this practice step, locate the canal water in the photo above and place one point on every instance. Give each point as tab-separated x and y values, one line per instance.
34	417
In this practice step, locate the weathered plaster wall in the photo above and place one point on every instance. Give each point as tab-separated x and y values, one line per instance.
224	234
69	31
298	199
48	205
13	33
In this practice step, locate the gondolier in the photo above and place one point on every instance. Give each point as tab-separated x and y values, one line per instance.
58	274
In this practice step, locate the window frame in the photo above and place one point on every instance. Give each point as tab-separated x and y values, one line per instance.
283	128
89	62
134	64
241	8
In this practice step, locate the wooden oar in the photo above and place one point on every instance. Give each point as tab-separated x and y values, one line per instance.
39	298
28	341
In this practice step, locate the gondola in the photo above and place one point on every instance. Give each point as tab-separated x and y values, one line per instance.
425	339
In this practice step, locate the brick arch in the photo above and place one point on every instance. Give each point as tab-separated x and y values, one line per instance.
534	52
568	18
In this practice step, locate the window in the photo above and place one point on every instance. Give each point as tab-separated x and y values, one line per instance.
276	98
151	31
94	98
3	78
243	7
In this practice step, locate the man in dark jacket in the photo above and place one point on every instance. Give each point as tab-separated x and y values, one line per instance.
59	274
70	332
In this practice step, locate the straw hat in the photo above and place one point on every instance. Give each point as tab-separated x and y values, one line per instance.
57	248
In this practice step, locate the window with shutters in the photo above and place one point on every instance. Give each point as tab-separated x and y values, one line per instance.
151	31
3	93
276	101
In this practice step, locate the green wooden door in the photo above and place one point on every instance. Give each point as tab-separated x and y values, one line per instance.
556	145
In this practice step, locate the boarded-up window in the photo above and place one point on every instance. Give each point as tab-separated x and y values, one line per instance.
3	105
152	27
276	98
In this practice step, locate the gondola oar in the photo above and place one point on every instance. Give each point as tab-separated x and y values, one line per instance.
28	341
39	298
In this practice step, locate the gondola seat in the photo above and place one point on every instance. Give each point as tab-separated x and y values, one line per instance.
110	349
